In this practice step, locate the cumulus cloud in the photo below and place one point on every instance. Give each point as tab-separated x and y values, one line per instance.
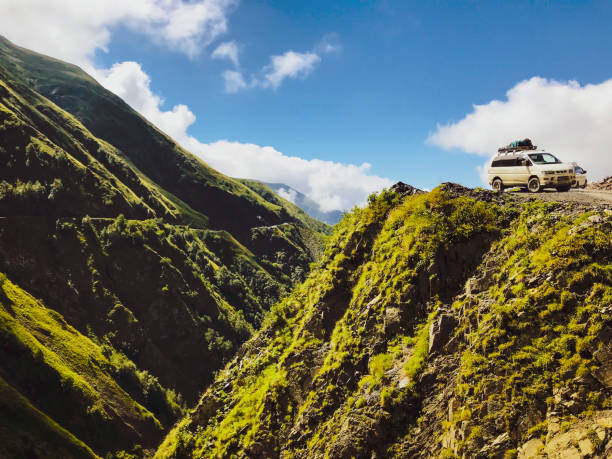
228	50
74	30
234	81
568	119
331	184
291	64
287	193
288	65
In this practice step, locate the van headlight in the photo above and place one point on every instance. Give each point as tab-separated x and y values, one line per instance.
549	172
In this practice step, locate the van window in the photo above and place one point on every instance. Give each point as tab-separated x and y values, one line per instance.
507	162
543	158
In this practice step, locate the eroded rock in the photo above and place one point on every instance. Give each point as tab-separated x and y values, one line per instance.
440	332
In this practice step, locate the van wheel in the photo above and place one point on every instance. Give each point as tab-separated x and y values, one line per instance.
497	185
533	185
585	184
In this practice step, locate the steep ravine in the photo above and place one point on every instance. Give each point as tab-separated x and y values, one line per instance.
457	323
130	271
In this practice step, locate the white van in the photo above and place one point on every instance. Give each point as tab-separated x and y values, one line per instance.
530	169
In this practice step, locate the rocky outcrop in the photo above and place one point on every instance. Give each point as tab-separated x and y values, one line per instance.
404	189
456	323
588	438
604	184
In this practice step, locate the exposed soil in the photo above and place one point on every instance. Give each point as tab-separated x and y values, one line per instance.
587	196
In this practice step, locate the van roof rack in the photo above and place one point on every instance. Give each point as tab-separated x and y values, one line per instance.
508	150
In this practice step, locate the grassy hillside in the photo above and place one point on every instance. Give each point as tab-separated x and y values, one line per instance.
25	431
227	203
134	270
455	323
53	166
72	379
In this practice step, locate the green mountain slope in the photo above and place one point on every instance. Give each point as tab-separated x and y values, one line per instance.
25	431
68	376
227	203
455	323
157	286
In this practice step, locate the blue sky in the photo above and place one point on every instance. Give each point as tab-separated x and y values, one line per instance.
398	69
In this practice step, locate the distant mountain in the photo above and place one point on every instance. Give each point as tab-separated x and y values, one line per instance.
130	270
304	202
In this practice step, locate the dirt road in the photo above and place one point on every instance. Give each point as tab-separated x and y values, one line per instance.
580	196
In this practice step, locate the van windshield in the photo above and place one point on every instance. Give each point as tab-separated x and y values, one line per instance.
543	158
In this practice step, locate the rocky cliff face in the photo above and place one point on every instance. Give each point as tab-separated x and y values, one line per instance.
456	323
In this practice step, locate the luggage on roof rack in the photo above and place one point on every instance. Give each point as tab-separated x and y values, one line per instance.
521	143
518	145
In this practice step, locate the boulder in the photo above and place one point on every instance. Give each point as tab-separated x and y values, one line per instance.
531	449
595	219
207	407
496	447
605	184
440	332
604	373
392	320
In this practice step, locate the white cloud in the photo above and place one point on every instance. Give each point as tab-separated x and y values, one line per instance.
287	193
189	26
565	118
228	50
333	185
132	84
288	65
234	81
291	64
74	30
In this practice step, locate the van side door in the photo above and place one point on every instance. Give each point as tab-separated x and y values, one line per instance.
523	170
515	171
503	169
